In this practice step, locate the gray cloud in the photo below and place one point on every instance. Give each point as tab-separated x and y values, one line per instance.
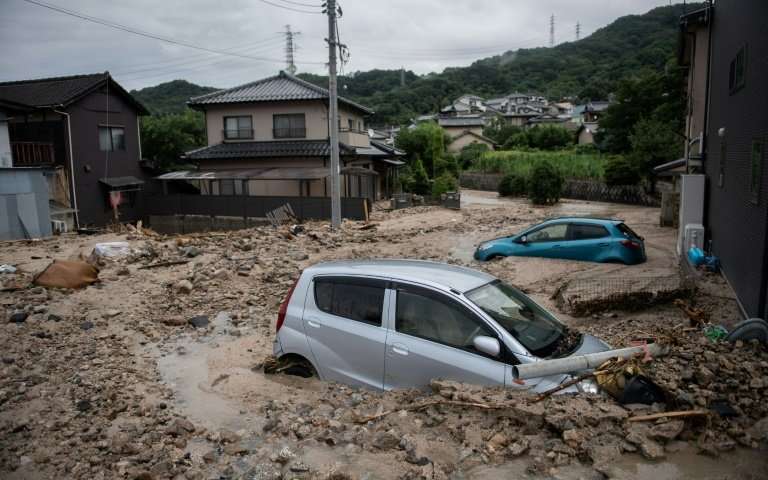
420	35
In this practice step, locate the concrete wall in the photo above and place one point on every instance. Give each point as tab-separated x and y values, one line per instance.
462	142
24	211
315	111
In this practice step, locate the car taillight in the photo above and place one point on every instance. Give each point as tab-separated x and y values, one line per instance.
630	244
284	306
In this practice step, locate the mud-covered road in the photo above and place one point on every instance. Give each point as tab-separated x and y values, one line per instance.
114	381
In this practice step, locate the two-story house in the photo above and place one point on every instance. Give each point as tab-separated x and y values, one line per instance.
724	47
84	129
270	138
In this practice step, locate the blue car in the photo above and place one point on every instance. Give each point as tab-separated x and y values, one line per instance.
572	238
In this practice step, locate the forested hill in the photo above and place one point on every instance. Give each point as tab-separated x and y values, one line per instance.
588	68
169	97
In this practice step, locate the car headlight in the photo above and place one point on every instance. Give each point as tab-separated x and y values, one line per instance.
483	246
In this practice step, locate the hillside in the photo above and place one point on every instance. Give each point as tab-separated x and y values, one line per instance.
169	97
587	69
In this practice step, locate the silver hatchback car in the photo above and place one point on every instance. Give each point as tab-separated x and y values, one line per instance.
391	324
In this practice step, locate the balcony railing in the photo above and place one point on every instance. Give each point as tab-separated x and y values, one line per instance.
238	134
289	133
32	154
354	138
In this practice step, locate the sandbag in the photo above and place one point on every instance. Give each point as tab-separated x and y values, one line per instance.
67	274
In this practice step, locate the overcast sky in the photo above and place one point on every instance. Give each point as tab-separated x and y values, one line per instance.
420	35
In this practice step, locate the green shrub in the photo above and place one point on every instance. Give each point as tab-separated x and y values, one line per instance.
545	184
621	170
513	185
516	161
444	183
448	163
471	153
586	149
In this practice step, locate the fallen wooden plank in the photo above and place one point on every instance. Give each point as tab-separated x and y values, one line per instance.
682	413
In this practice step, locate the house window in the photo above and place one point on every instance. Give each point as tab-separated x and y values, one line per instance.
737	72
238	128
289	126
756	171
111	139
351	124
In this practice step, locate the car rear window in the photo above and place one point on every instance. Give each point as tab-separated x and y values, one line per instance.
351	298
586	232
628	232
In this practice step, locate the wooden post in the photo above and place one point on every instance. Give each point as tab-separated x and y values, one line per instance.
365	208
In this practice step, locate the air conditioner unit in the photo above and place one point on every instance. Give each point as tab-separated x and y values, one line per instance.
58	226
692	194
693	236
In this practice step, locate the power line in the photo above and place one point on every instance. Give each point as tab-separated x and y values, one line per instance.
291	8
316	5
142	33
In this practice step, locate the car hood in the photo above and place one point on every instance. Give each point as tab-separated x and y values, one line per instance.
590	344
498	239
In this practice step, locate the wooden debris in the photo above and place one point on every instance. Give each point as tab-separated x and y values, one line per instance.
697	316
164	264
682	413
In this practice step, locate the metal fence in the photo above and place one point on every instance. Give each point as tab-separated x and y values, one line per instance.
585	296
600	192
305	208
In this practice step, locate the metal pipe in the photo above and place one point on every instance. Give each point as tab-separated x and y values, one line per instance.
545	368
71	169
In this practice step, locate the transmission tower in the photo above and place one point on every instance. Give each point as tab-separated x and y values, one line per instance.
290	50
552	30
578	31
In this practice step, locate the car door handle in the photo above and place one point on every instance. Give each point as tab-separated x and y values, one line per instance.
604	244
312	322
557	246
400	349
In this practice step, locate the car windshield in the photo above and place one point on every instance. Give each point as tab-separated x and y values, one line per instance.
531	325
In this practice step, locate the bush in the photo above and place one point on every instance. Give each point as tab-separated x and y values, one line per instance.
586	149
621	170
444	183
513	185
545	184
471	153
447	163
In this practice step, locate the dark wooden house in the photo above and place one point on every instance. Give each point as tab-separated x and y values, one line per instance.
86	127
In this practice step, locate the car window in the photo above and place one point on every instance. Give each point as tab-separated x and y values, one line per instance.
586	232
628	232
355	299
551	233
425	314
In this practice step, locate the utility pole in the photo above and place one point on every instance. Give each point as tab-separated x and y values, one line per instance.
402	76
578	31
333	118
552	30
290	50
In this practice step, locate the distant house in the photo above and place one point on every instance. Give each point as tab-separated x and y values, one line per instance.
455	126
85	130
723	48
594	110
270	138
586	133
469	137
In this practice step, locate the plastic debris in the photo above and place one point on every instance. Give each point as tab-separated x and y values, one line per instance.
715	333
7	269
111	250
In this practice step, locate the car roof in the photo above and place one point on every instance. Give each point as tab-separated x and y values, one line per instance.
594	220
440	275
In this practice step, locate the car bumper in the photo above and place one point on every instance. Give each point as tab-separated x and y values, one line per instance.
277	348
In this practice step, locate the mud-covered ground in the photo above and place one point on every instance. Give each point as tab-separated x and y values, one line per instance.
113	381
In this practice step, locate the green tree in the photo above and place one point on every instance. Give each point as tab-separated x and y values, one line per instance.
513	185
550	137
420	179
471	153
444	183
164	138
621	170
499	130
654	142
426	141
545	184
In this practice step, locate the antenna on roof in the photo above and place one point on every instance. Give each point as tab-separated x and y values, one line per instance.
290	50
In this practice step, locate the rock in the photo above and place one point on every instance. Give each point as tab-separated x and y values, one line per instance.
603	457
39	309
228	436
18	317
573	437
264	471
179	427
284	456
298	256
52	317
223	317
386	440
200	321
235	449
191	251
648	448
123	271
704	376
175	321
760	429
111	313
86	325
83	405
210	456
184	287
667	431
498	441
298	467
220	274
518	448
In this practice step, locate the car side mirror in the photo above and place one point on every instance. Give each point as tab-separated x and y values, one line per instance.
522	239
487	345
